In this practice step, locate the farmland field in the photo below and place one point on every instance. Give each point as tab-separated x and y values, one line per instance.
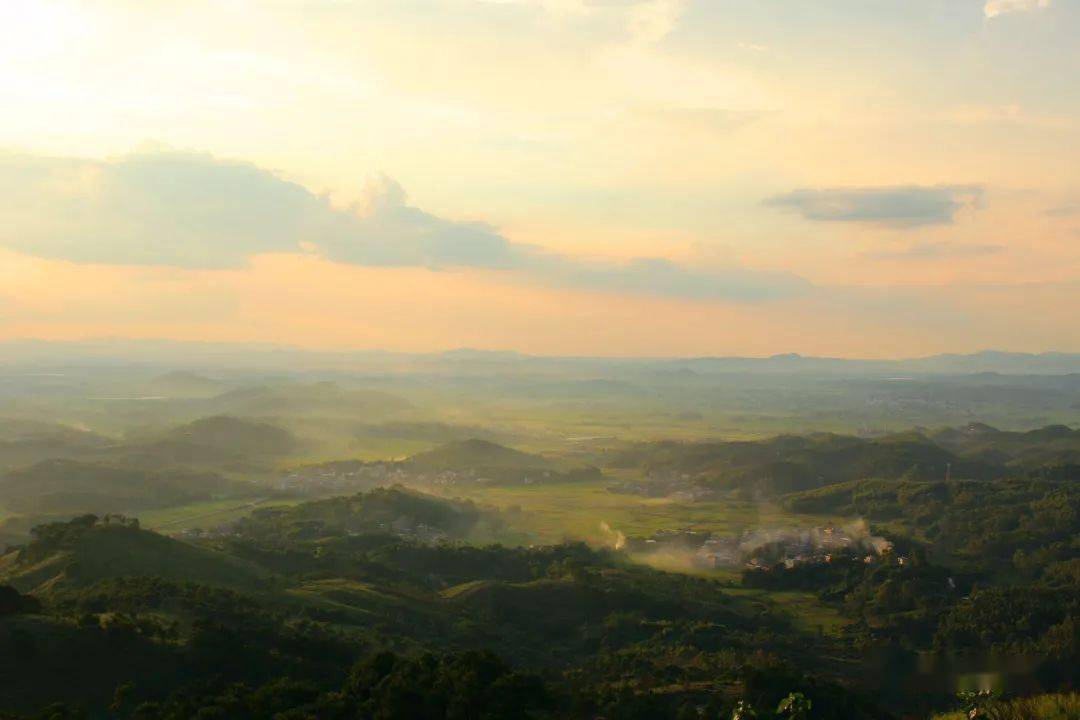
204	514
563	511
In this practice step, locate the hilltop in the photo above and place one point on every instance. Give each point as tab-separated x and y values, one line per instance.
476	453
233	434
390	511
88	549
183	384
482	460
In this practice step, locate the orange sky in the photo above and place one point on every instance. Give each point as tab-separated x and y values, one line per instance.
654	177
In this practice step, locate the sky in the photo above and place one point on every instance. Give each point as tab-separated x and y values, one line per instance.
857	178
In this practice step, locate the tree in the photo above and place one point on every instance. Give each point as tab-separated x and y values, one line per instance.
743	711
795	706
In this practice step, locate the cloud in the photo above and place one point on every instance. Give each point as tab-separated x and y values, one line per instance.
1064	211
190	210
996	8
157	208
934	250
904	207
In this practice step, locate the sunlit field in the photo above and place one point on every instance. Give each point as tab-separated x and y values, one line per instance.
557	512
205	515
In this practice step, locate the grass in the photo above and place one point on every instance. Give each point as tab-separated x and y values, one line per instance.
1044	707
462	589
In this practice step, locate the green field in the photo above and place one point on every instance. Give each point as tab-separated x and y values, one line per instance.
579	511
204	514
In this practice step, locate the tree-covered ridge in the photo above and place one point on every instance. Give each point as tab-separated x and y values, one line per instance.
1027	524
798	463
88	548
1051	445
236	435
793	463
393	510
597	634
72	486
285	608
484	461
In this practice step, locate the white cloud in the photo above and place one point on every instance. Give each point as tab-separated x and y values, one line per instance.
179	209
908	206
994	8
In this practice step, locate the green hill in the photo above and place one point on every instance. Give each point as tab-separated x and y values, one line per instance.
484	461
1051	445
71	486
237	435
790	463
476	453
168	453
88	549
393	510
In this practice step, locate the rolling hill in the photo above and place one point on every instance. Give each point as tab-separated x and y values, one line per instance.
181	384
476	453
393	510
487	462
23	442
1050	445
790	463
236	435
87	549
297	399
71	486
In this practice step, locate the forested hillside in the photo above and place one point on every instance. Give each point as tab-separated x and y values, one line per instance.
942	545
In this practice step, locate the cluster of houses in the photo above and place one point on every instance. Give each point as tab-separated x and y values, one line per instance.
407	528
341	478
763	549
218	531
350	477
675	486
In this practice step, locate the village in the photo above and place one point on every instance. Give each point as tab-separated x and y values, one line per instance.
764	549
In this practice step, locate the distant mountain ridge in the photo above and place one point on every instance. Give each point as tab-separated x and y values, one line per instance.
170	355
